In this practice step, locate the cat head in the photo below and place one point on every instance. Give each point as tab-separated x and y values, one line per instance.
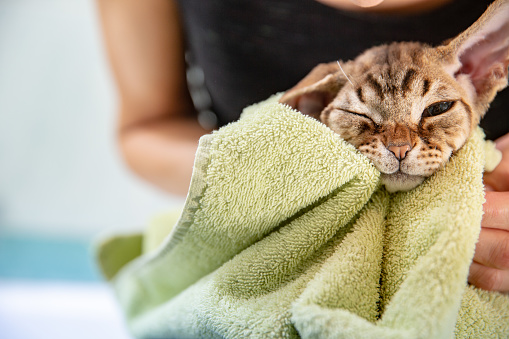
408	106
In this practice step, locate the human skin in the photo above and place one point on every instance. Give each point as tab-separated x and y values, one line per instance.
490	269
388	6
158	131
157	127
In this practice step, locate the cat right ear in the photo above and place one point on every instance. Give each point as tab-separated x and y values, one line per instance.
313	93
479	56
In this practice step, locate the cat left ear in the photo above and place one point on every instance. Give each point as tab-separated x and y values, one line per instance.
313	93
479	57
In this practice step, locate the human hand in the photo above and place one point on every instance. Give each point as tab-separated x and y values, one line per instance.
490	268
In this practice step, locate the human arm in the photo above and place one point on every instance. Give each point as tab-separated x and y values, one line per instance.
157	127
490	269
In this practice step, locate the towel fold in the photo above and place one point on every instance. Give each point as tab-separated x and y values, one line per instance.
287	232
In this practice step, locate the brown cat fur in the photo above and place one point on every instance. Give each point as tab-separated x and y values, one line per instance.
408	106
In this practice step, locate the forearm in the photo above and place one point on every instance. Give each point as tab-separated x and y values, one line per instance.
162	151
157	133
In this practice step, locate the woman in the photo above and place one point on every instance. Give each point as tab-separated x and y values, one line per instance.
248	50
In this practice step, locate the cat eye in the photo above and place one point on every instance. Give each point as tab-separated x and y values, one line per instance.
355	113
437	108
365	117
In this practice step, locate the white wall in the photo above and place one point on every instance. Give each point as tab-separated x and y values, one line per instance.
60	172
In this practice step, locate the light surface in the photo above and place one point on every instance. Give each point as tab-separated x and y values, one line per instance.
59	310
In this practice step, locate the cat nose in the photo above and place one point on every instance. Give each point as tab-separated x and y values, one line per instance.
400	152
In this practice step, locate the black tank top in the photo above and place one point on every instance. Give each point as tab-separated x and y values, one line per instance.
250	49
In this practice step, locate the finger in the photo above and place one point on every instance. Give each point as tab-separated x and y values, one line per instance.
502	142
492	249
498	179
496	210
488	278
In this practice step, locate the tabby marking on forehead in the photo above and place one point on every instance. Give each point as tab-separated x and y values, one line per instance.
407	80
376	86
359	95
425	86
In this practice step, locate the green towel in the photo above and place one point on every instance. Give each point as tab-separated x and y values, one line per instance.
287	233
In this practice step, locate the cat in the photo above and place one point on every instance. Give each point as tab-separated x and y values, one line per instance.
408	106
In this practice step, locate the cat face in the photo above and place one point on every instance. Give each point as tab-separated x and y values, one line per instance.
402	112
407	106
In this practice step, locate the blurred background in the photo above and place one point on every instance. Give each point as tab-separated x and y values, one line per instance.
62	182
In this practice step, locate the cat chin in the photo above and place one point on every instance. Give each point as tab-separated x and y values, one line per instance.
401	181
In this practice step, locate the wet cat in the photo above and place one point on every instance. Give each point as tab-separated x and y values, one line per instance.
408	106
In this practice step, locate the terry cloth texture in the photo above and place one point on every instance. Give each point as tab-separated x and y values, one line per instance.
287	233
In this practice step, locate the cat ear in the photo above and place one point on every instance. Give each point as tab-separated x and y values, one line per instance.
313	93
478	58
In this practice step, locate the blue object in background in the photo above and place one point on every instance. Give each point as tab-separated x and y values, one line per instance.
46	258
52	284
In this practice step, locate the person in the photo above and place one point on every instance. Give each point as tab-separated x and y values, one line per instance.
239	52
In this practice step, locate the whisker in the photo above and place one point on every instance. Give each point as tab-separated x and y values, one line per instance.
341	68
